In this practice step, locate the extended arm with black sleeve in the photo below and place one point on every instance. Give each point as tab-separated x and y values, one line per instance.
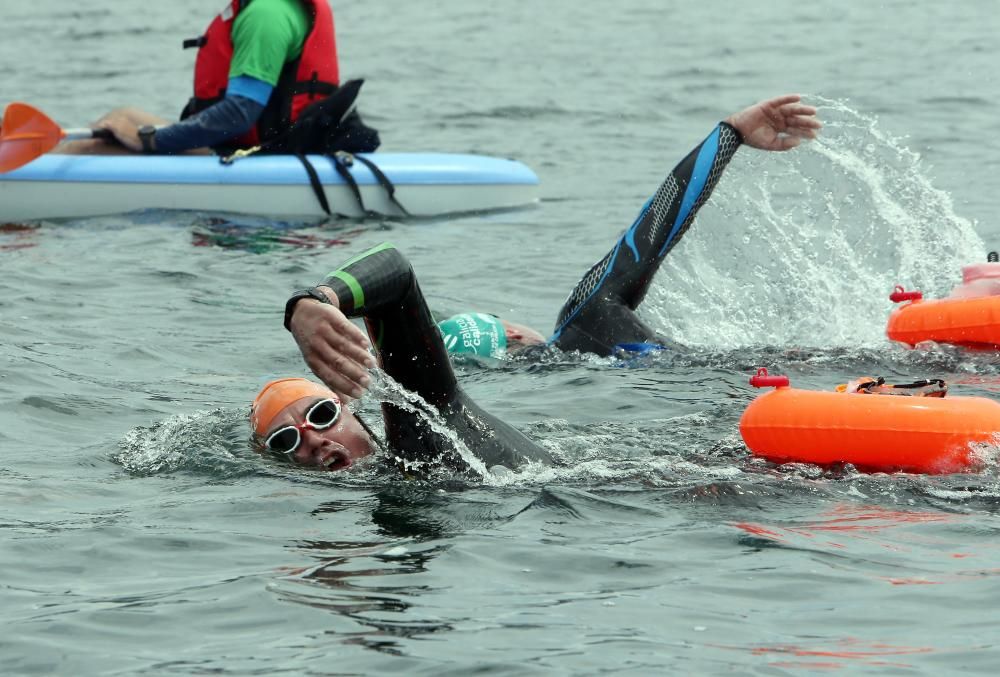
600	312
227	119
380	286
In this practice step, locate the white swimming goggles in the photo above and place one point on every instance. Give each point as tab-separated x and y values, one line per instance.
320	416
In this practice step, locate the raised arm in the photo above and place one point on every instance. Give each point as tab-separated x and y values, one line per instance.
599	312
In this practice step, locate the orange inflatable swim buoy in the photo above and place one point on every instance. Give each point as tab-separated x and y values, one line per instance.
968	317
874	432
967	322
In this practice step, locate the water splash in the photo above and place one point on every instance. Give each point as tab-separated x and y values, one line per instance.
209	442
803	248
385	389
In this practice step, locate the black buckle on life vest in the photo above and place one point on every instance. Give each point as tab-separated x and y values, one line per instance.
198	42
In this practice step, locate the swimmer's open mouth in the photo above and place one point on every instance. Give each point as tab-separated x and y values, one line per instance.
337	460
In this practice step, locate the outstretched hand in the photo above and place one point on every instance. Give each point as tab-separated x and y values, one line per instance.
333	347
776	124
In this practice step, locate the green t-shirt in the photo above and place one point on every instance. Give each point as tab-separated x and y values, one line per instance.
267	35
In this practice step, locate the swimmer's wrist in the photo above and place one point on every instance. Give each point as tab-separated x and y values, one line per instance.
728	122
314	293
331	296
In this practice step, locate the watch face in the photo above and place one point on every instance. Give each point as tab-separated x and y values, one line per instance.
146	133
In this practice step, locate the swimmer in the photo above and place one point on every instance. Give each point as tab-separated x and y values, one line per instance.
600	314
380	286
308	424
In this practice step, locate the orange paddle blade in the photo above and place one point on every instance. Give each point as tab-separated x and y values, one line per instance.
25	134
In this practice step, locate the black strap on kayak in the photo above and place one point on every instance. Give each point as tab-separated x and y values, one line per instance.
342	162
342	166
383	180
314	181
198	42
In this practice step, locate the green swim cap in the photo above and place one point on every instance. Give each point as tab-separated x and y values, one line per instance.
474	334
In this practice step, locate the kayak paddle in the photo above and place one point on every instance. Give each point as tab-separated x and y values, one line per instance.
27	133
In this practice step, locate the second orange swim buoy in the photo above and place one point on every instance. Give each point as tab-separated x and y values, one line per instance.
969	317
966	322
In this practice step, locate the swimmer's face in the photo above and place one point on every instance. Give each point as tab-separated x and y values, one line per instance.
336	447
520	336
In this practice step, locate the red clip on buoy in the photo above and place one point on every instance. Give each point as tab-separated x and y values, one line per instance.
762	380
899	295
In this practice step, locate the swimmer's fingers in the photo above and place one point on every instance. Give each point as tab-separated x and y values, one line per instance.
343	375
797	109
802	120
776	124
333	347
779	101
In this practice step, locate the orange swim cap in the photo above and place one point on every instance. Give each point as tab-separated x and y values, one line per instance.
278	394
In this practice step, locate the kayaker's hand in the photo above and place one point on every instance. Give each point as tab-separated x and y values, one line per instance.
333	347
123	127
776	124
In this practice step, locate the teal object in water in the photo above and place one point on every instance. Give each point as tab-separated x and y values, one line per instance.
474	334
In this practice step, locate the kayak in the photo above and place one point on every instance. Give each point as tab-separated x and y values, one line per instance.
403	184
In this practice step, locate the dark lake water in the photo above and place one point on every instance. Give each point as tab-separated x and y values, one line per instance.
140	535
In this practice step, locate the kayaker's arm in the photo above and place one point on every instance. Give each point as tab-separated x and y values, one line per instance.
233	116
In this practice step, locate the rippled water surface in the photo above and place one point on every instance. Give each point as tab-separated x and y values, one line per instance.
140	535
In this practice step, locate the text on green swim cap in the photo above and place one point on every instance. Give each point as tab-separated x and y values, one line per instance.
474	334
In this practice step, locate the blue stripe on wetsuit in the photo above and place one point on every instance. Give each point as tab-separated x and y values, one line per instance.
630	234
653	229
699	177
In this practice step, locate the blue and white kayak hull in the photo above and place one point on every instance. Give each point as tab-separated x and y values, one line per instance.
426	184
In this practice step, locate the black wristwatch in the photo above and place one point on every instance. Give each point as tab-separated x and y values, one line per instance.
311	293
146	134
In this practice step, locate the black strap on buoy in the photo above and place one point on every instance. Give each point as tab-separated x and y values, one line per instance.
933	387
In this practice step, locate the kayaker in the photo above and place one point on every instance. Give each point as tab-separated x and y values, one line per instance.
259	63
381	287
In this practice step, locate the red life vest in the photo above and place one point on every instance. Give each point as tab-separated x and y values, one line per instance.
314	75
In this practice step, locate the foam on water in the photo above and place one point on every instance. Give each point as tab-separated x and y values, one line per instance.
812	242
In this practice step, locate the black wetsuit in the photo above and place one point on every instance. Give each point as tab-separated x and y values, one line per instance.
379	285
599	314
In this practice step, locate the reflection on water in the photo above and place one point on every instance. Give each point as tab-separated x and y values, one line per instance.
15	236
377	585
263	238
